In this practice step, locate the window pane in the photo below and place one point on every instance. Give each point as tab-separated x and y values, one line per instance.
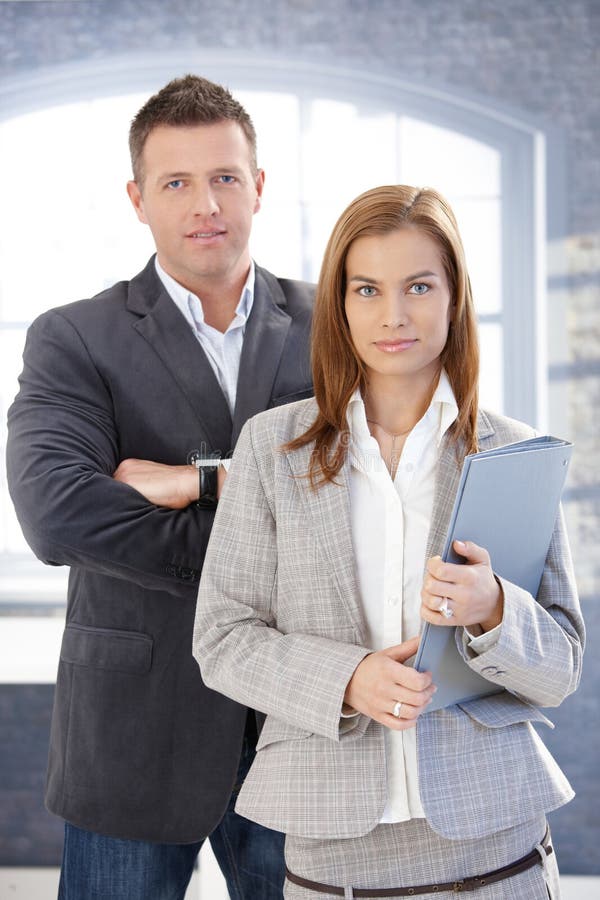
479	221
11	348
491	392
276	240
448	161
345	152
71	227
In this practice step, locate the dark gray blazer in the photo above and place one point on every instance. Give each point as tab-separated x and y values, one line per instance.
139	748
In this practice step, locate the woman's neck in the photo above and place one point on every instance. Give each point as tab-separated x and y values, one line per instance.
396	407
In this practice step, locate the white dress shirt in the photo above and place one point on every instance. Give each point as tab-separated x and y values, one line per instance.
390	526
223	349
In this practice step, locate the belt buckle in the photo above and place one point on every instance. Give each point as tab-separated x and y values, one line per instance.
457	887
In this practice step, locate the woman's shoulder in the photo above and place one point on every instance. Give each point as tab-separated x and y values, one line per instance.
495	429
282	423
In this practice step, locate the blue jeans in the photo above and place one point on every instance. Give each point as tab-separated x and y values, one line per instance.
103	868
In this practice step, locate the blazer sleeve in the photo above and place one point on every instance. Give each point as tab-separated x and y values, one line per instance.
538	654
298	677
62	450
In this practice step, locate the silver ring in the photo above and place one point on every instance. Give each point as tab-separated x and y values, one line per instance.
445	609
396	710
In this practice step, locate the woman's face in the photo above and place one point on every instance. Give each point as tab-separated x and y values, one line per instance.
398	305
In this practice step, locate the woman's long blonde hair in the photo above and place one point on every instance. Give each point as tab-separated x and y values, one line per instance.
336	368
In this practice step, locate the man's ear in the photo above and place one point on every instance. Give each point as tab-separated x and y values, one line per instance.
137	201
259	184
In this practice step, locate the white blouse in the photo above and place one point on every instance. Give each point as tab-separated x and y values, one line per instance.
390	526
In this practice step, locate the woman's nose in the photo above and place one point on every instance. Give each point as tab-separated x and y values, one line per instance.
395	313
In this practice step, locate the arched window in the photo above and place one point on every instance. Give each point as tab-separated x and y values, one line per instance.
324	135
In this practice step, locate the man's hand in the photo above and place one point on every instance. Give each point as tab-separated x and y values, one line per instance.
471	591
172	486
381	682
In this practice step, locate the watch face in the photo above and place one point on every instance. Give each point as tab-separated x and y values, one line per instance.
208	485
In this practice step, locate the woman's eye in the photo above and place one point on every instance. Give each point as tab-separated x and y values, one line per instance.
367	290
419	288
175	184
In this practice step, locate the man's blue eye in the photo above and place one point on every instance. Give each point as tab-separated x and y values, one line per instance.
419	288
226	179
175	184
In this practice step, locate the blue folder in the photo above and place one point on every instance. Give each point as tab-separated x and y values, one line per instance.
507	501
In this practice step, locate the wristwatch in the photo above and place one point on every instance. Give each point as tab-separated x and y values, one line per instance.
208	485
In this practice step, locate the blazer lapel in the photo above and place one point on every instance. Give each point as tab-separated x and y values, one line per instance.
264	340
166	331
328	510
446	484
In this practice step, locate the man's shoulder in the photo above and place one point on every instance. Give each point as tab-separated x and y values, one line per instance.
107	302
295	295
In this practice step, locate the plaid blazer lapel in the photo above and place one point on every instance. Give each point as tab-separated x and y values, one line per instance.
328	511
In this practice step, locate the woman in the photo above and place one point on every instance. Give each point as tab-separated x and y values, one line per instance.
313	592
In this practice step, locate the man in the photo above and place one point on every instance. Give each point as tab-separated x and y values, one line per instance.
116	393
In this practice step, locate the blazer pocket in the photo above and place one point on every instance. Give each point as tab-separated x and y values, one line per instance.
107	648
275	730
503	709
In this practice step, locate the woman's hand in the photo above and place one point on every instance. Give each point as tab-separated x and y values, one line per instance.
469	592
381	682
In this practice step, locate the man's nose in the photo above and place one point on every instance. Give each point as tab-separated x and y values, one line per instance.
205	201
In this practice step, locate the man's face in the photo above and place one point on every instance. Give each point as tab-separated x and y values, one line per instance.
198	196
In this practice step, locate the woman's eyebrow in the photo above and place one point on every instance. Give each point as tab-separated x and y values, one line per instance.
425	274
364	278
414	277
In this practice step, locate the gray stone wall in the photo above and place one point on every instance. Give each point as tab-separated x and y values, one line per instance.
537	56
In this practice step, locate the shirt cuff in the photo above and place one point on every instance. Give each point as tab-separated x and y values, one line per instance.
484	641
348	718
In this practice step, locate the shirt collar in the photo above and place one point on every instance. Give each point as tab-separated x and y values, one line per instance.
191	305
442	411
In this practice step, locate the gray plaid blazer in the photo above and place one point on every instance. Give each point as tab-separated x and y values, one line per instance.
279	627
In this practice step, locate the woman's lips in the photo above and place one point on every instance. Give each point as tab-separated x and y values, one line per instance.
395	346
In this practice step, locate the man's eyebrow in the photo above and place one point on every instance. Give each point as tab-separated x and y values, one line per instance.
218	170
173	176
225	169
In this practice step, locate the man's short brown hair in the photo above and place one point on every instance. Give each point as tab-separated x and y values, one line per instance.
190	100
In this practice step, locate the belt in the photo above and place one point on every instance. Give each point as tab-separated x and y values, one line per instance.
537	856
